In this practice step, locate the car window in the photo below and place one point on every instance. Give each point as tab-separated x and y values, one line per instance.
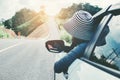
109	53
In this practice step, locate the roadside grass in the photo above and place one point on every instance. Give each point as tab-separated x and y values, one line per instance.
4	34
65	36
1	24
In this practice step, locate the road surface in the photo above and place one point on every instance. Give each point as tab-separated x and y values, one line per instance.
28	59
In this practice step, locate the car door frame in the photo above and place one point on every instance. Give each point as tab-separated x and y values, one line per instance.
104	17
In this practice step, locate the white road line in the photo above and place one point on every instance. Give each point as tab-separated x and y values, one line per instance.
9	47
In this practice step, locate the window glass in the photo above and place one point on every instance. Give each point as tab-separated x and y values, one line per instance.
109	53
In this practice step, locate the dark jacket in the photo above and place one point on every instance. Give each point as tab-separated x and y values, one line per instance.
63	64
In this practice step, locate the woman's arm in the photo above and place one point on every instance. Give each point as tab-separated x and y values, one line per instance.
63	64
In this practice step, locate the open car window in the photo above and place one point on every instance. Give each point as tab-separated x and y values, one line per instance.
109	53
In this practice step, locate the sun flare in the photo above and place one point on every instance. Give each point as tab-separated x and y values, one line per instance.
51	10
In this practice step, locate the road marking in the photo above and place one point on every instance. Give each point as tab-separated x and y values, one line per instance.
9	47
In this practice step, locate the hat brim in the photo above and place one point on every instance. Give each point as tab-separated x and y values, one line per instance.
83	33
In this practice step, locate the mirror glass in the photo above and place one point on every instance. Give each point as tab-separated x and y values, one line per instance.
55	46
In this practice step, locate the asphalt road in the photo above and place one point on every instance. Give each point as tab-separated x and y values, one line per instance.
28	59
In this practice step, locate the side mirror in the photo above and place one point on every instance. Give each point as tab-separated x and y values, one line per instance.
55	46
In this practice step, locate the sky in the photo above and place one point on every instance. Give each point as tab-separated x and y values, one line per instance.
52	7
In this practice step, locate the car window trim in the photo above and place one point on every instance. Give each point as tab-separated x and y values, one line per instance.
102	67
115	9
91	45
101	13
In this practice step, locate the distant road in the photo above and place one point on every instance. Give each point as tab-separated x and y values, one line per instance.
24	59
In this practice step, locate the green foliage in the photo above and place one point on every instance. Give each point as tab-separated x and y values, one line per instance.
19	18
29	26
68	12
1	24
25	21
91	9
64	35
22	16
3	34
8	23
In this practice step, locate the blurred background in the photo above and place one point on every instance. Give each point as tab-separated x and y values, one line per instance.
21	18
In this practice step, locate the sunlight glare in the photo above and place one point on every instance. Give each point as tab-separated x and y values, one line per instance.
51	10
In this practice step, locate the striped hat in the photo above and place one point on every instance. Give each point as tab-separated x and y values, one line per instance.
80	25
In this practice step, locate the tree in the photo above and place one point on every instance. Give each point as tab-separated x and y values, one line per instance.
68	12
19	18
22	16
91	9
8	23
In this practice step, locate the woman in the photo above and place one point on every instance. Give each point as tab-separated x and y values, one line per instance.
80	26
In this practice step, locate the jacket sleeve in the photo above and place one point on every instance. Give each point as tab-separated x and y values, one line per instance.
63	64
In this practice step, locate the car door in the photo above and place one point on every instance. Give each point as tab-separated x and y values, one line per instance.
100	62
